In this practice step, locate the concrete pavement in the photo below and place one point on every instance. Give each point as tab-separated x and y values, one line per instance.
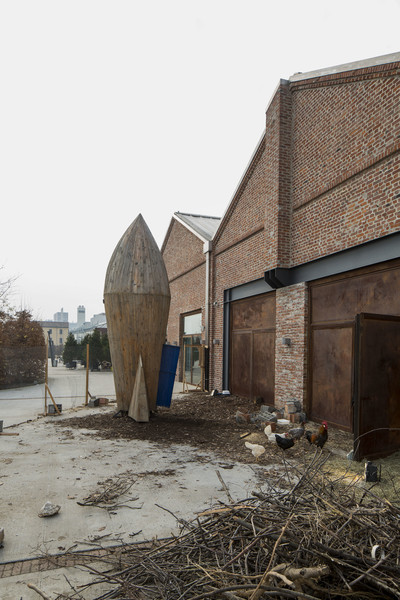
68	387
50	463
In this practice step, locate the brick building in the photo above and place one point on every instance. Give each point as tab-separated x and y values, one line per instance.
309	242
186	251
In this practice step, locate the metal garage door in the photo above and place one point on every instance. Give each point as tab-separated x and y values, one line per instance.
335	304
252	347
377	386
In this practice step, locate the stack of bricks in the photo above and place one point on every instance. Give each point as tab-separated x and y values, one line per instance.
293	411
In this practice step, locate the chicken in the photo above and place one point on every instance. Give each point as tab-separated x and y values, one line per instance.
267	430
285	441
269	434
297	432
256	449
319	437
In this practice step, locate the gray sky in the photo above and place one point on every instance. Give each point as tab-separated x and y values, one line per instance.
112	108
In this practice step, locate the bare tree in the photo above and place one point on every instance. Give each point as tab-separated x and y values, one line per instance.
5	293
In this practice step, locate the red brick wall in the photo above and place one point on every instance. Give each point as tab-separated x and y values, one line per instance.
182	251
291	361
185	264
345	161
238	252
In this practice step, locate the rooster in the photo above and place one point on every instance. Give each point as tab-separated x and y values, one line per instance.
284	441
319	437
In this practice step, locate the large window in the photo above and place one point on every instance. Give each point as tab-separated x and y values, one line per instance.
192	348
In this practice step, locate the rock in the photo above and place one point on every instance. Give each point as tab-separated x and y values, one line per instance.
49	509
272	418
290	407
298	405
242	418
257	418
265	410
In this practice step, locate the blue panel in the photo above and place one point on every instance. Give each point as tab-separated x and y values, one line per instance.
166	379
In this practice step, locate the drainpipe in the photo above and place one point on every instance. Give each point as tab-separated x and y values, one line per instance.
207	251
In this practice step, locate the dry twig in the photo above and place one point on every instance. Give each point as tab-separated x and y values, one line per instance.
311	541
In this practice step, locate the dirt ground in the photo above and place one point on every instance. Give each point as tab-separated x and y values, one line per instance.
209	424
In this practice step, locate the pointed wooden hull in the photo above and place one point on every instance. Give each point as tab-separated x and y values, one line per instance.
139	406
136	299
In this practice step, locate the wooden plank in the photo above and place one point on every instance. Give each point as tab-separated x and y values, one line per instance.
139	407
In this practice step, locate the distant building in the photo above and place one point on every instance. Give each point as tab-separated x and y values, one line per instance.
61	316
79	329
83	328
80	313
57	332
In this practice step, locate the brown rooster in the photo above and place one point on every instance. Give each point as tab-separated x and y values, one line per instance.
319	437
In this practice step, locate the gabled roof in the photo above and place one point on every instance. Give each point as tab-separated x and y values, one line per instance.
360	64
242	184
201	225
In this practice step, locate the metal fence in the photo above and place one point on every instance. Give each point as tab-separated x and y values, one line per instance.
35	385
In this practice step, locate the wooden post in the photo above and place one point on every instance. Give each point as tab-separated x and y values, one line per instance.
52	399
46	377
87	375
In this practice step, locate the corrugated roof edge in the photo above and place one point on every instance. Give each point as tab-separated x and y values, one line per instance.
352	66
189	221
193	215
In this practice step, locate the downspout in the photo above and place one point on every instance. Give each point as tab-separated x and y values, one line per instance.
207	251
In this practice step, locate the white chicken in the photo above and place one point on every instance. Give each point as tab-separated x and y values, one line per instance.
268	430
271	436
256	449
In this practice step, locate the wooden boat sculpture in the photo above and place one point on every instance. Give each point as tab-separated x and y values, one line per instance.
136	299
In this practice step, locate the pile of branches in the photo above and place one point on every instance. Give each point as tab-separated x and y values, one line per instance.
109	491
319	539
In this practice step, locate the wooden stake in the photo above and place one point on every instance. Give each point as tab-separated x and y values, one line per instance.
52	399
46	377
87	375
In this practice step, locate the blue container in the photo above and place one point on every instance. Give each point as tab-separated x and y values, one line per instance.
166	379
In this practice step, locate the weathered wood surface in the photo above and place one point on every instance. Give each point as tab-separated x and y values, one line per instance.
139	406
136	299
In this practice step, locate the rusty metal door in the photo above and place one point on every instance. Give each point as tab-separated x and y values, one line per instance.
332	368
377	386
252	347
240	370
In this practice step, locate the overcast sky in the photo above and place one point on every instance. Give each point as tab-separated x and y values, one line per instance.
113	108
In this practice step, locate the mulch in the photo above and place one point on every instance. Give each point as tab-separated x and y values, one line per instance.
206	423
